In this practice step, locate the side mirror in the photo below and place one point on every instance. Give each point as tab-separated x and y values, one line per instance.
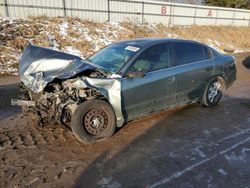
135	74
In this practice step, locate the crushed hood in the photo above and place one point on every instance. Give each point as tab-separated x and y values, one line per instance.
40	66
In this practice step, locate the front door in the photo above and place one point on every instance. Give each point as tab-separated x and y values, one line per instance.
156	89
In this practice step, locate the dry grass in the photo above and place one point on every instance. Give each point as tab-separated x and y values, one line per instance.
236	36
88	36
227	36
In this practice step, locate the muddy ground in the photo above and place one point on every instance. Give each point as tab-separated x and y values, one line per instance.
192	146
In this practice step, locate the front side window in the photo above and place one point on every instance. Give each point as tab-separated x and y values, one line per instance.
153	58
113	57
188	53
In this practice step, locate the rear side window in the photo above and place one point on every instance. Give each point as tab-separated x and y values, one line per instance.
208	53
188	52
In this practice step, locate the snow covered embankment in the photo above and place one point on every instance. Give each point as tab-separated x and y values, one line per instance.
83	37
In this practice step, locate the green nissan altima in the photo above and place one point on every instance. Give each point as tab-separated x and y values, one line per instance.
121	82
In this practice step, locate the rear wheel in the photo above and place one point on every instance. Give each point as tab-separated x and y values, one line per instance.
212	93
93	120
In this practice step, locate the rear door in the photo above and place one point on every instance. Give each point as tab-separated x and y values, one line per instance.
194	66
156	89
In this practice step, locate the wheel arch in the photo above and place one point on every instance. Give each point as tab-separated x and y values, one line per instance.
221	80
114	100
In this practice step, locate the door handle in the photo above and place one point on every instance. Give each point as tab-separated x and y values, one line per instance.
170	80
173	79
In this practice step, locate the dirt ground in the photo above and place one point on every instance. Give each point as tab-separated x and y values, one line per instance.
192	146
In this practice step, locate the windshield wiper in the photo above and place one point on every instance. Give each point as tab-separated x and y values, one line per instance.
105	72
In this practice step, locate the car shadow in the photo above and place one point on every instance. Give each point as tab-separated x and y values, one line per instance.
176	141
246	62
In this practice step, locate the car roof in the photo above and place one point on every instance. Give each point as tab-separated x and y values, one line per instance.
144	42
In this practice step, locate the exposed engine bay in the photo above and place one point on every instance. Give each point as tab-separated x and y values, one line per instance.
57	101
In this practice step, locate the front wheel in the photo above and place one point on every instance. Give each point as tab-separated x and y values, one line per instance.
212	93
93	120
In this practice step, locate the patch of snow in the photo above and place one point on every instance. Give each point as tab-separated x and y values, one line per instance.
99	30
231	46
209	132
115	34
199	152
104	39
217	43
8	19
153	26
8	68
242	157
116	25
172	154
52	41
193	158
87	36
223	172
238	50
63	28
172	35
72	50
206	132
107	182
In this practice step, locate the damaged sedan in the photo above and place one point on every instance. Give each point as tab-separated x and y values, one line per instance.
119	83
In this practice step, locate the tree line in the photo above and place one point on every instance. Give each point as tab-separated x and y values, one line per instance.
229	3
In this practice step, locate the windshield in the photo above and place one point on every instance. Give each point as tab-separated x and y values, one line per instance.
113	57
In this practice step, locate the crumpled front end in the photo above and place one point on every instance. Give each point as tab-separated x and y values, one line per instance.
54	83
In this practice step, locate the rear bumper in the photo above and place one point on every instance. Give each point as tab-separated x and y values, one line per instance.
231	78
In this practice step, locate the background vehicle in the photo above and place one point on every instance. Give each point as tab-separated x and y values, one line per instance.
121	82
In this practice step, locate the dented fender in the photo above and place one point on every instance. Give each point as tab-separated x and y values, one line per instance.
110	88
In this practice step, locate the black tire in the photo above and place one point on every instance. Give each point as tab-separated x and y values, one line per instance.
83	123
206	100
